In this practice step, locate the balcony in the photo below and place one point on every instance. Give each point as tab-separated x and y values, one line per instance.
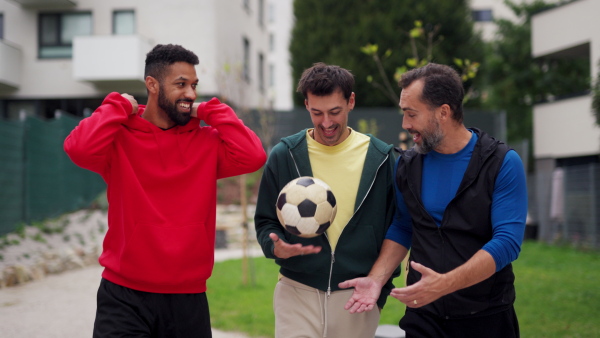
556	125
109	61
47	4
10	66
565	31
571	30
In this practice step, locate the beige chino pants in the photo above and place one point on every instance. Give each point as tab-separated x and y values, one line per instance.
305	312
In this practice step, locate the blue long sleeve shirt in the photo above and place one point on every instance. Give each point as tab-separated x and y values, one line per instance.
442	175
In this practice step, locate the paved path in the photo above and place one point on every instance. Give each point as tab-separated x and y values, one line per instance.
64	305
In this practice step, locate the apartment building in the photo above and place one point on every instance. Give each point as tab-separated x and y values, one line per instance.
484	12
280	24
66	55
571	30
566	137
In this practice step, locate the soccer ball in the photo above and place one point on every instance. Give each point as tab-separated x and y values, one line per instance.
306	207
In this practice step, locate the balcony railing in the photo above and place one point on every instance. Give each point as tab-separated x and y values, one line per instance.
550	36
10	66
47	4
565	128
118	58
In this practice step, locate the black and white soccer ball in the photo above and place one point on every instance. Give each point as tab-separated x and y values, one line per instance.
306	207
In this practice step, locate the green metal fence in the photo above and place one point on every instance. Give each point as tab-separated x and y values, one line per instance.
37	178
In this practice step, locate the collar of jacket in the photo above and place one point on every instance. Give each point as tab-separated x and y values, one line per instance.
377	153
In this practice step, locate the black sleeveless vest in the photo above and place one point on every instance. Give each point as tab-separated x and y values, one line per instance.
466	227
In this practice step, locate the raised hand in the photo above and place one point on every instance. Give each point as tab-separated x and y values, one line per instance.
133	101
195	109
286	250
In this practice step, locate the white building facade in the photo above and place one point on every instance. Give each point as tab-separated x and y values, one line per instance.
281	86
484	12
571	30
566	137
68	54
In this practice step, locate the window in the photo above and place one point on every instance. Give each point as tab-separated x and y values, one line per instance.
1	26
484	15
246	70
271	75
261	72
261	13
123	22
271	13
271	42
56	32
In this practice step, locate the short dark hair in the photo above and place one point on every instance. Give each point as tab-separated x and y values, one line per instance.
162	56
441	85
322	80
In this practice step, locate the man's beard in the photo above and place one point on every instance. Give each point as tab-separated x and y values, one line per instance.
170	108
430	139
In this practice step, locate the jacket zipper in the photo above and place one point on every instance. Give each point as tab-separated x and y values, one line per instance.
359	206
330	271
294	160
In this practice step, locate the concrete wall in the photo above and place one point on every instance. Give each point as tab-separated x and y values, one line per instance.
565	128
566	27
10	65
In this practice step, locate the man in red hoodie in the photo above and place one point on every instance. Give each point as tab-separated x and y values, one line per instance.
161	168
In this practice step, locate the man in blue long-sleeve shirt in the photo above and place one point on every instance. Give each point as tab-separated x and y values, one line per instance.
462	205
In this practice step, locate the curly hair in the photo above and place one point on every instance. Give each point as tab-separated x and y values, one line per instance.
441	85
162	56
322	79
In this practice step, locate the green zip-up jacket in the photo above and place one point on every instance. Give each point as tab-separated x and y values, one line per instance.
360	242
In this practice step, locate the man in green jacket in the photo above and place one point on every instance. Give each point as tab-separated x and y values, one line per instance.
358	168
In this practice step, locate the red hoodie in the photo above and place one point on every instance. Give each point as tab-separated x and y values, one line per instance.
162	187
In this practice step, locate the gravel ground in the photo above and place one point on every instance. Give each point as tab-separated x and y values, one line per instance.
66	243
50	275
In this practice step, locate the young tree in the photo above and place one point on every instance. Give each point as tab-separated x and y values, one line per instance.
422	43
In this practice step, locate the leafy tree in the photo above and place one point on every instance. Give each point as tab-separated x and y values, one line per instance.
333	32
517	81
596	98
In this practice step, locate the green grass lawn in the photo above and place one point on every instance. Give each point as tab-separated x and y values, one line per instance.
558	294
558	291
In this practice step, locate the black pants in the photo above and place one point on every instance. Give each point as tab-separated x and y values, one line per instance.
498	325
123	312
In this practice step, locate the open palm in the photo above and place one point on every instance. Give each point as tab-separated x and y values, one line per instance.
365	295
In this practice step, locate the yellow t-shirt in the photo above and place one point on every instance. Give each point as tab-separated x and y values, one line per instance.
341	167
